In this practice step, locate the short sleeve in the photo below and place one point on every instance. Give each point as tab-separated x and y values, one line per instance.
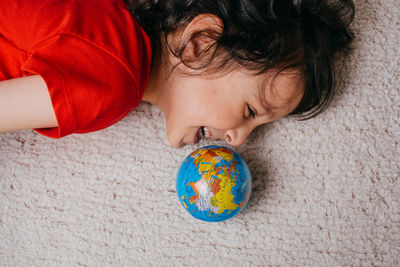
89	87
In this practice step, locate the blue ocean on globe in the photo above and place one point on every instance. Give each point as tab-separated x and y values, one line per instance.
213	183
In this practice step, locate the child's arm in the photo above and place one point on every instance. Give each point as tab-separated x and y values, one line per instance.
25	104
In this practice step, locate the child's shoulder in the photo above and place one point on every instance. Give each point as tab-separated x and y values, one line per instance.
103	24
34	20
93	56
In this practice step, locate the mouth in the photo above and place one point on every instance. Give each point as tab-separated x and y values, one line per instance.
203	132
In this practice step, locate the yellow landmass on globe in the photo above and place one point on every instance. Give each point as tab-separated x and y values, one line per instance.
224	198
219	182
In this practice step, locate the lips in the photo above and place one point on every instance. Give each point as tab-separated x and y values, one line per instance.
203	132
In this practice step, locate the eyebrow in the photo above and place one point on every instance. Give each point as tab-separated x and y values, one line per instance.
267	105
262	101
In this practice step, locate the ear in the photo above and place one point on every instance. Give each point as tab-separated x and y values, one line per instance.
199	35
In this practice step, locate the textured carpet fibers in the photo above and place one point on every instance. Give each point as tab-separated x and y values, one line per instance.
326	191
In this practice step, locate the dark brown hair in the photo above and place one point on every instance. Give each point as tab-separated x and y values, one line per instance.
262	35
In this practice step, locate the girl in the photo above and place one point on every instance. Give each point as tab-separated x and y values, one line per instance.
216	68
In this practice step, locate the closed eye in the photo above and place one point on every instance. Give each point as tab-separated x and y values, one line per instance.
251	112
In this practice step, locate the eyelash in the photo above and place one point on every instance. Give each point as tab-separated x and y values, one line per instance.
251	112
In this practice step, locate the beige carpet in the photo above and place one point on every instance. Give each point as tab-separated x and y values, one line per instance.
326	191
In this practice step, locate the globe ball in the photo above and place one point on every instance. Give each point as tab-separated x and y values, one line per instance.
213	183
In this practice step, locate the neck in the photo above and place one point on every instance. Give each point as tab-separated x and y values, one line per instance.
154	86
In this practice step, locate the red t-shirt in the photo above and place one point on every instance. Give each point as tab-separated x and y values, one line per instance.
93	56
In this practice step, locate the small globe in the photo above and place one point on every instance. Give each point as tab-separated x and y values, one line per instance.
213	183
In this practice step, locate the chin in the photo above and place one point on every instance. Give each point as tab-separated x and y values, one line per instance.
180	145
175	142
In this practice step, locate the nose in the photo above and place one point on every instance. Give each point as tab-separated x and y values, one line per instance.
237	137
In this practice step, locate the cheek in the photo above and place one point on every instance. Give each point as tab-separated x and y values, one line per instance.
202	113
223	112
224	118
183	113
202	104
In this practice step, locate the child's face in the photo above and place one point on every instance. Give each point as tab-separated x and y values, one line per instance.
222	108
